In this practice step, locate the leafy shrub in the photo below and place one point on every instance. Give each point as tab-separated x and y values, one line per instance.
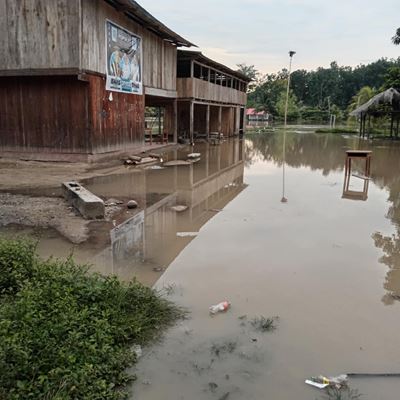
67	334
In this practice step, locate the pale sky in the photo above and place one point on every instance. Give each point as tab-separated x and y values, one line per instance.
261	32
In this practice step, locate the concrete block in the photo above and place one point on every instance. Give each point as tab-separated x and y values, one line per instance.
89	205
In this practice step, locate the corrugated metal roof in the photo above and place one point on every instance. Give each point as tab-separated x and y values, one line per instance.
253	111
137	13
198	55
390	96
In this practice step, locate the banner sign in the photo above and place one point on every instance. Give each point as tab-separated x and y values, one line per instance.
124	60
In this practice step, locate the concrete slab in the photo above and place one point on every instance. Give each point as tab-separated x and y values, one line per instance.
89	205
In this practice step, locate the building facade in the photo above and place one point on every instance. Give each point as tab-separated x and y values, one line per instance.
77	75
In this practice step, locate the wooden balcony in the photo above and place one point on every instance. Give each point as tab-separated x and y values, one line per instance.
193	88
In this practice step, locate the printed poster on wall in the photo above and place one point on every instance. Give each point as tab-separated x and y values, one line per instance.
124	60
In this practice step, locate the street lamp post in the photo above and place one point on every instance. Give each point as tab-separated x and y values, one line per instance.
291	54
284	199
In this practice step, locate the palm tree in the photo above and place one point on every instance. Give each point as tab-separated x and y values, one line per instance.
396	37
362	96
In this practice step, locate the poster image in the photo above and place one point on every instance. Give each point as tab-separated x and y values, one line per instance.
124	60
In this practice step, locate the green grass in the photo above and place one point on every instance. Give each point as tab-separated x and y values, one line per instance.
67	334
337	130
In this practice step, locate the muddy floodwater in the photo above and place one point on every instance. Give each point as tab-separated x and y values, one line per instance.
326	262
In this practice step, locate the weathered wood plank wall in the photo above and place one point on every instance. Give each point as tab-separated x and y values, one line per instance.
159	57
70	34
46	113
39	34
115	124
199	89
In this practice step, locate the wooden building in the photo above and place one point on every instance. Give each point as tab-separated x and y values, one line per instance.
77	75
211	97
254	116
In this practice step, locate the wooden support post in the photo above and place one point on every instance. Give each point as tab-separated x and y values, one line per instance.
364	120
230	119
369	125
175	121
208	121
391	125
207	163
219	119
159	122
191	122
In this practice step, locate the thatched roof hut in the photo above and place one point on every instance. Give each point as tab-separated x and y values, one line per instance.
384	103
390	97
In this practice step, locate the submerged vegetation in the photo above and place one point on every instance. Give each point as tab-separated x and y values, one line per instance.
263	324
67	334
344	393
340	130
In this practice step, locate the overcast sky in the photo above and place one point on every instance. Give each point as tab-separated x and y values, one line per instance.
261	32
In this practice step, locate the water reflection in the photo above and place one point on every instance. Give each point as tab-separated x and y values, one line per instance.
144	243
351	194
327	154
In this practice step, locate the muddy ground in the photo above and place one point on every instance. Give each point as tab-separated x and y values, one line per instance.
37	176
43	212
30	194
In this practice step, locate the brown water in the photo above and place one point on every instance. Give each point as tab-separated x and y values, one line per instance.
327	265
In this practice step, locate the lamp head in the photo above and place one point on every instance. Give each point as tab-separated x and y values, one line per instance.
291	53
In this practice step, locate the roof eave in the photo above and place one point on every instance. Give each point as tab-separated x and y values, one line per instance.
199	56
138	14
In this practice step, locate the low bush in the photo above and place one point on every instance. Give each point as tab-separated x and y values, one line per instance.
337	130
68	334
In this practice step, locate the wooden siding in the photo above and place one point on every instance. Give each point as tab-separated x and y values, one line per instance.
193	88
61	114
39	34
116	124
159	57
43	113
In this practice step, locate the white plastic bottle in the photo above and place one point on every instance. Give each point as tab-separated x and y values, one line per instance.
221	307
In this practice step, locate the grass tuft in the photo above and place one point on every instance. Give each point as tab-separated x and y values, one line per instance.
263	324
67	334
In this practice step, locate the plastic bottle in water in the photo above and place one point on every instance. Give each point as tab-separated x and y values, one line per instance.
221	307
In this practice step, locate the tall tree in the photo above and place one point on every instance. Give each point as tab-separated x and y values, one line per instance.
251	72
396	37
248	70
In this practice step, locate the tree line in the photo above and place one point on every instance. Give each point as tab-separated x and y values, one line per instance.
316	94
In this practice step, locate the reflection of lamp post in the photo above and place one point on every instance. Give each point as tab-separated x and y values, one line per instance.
284	199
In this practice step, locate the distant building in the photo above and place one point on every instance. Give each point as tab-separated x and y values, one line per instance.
253	115
77	76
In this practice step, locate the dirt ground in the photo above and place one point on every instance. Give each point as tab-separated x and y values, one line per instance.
30	194
43	212
17	175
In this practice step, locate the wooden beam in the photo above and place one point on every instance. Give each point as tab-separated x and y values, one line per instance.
150	91
191	121
208	121
391	124
175	121
219	119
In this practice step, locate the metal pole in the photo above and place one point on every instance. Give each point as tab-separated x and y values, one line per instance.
284	199
291	54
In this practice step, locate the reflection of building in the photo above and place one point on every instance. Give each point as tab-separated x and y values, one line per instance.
149	238
61	98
